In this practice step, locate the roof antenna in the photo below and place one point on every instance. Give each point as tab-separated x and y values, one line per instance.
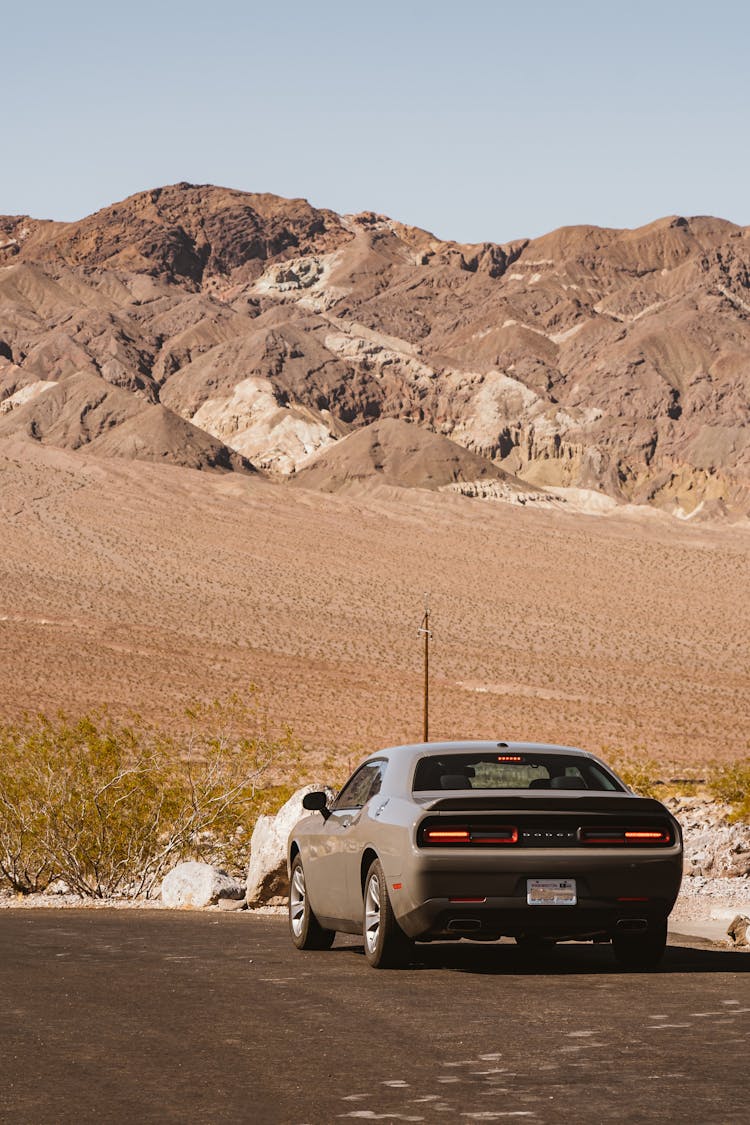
424	631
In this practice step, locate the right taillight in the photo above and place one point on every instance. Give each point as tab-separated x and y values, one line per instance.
645	837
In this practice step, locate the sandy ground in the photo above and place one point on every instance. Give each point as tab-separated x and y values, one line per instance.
700	899
145	586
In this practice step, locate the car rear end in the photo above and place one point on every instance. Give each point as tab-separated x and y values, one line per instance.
558	865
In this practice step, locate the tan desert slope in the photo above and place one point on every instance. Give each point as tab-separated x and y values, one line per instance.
148	585
608	360
373	372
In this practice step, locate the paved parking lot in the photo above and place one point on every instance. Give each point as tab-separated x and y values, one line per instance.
146	1016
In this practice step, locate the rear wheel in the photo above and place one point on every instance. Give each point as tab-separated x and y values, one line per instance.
386	944
641	952
306	930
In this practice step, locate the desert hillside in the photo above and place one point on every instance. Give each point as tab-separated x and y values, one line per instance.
228	331
146	585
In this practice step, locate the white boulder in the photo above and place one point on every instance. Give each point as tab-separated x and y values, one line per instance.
198	884
739	930
267	879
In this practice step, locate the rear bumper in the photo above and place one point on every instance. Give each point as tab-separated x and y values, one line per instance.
606	884
501	918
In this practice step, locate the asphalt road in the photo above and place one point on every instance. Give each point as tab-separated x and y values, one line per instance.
137	1016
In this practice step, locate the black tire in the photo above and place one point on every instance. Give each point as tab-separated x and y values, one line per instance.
305	929
641	952
386	944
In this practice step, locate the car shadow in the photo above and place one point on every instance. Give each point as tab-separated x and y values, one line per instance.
559	960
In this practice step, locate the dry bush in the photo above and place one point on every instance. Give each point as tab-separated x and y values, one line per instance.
639	774
731	784
106	807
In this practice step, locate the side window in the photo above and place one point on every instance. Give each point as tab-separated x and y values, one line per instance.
377	780
365	783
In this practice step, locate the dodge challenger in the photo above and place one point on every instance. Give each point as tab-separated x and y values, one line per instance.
483	840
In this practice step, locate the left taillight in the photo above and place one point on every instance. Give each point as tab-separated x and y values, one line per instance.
490	835
648	837
447	836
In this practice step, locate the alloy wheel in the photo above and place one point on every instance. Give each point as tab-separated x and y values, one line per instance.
297	901
372	913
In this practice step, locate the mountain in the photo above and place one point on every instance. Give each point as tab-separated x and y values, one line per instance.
613	360
400	454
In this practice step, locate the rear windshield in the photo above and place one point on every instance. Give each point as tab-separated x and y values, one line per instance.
511	771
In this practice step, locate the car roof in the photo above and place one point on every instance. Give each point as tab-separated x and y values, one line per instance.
403	759
477	746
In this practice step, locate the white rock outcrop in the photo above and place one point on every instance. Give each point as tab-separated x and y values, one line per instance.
713	845
267	879
195	884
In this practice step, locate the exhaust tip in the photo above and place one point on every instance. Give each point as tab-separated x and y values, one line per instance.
632	925
464	924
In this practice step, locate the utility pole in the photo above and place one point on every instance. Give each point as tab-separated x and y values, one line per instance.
424	632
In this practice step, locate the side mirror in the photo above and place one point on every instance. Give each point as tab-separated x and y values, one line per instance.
316	802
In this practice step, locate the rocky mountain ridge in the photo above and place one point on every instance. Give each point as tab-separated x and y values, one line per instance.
228	330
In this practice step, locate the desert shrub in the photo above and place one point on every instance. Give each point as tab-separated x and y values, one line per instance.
731	784
639	774
106	806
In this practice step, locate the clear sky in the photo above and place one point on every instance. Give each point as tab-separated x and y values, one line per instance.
473	118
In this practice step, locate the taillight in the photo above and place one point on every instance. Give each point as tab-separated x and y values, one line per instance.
629	836
447	836
504	835
481	835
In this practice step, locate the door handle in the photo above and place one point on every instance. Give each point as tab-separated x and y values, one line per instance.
345	823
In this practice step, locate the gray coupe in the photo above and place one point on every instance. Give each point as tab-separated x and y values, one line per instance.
480	840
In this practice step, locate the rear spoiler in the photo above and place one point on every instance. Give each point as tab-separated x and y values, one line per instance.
615	802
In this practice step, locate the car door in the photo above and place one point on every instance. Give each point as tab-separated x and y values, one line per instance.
329	880
354	838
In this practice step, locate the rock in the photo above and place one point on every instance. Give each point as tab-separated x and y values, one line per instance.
739	930
232	903
713	845
58	887
267	879
198	884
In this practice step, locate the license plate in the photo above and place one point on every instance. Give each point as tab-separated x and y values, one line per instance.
551	892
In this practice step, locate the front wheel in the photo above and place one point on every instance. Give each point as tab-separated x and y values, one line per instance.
306	930
386	944
641	952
